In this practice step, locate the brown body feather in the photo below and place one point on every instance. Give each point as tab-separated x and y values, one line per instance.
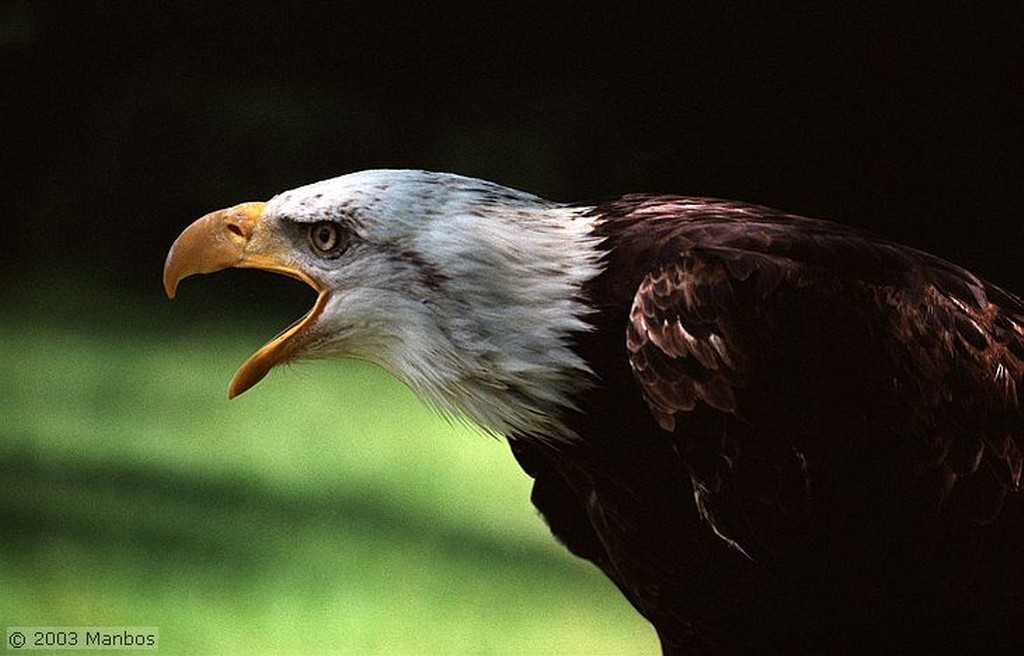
803	436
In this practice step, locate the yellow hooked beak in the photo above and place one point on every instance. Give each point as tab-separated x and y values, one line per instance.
240	237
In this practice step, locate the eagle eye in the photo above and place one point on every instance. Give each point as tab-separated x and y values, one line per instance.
327	238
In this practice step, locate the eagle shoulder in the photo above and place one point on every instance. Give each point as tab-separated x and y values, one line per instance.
784	356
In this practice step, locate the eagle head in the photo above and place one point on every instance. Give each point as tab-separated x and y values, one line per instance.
467	291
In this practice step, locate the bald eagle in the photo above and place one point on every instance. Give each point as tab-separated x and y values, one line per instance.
773	433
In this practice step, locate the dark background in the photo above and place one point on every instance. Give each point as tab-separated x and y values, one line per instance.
124	122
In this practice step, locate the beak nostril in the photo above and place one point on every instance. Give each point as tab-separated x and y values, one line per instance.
236	230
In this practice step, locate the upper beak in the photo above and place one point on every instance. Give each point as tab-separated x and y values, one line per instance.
240	237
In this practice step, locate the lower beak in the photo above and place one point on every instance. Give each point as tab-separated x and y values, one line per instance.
240	237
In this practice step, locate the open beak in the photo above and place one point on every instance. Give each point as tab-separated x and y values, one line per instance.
240	237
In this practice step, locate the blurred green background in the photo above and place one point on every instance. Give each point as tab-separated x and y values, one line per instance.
350	520
327	509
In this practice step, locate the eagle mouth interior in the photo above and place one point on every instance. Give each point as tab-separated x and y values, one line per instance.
287	344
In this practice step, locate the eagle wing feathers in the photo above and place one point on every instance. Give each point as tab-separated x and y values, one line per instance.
786	357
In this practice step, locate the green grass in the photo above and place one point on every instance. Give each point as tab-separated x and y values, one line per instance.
326	510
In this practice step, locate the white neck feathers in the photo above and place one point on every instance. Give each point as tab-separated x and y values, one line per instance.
477	292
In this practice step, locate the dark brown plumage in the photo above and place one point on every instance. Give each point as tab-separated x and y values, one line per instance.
841	410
